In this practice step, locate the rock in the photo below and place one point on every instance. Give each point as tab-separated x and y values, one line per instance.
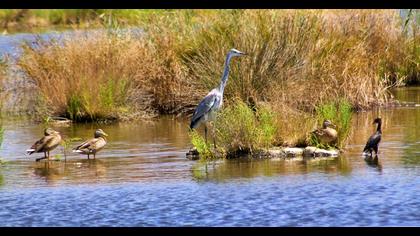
326	153
276	152
309	151
193	154
292	152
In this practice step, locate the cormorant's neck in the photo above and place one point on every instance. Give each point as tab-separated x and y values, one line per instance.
225	73
379	128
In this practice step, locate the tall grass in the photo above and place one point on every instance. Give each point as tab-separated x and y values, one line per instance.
298	60
99	76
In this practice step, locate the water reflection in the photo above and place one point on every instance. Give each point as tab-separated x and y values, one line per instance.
373	161
80	171
244	168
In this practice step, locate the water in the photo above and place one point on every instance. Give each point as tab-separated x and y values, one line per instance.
142	178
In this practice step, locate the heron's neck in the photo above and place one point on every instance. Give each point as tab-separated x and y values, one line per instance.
379	128
225	73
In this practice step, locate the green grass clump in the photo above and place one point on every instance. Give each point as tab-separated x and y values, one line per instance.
339	113
240	129
203	148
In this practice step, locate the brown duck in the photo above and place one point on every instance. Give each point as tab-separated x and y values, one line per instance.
94	145
46	144
326	134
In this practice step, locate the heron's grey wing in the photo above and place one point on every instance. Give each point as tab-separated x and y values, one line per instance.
203	108
373	141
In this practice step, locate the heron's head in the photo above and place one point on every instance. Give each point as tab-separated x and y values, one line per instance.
49	131
236	53
100	133
328	123
377	121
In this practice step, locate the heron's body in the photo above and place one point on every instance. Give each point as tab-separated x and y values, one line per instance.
46	144
373	142
326	134
213	101
92	146
206	110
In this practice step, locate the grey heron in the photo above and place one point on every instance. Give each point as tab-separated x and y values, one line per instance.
213	101
373	142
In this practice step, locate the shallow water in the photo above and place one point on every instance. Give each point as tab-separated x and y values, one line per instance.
142	178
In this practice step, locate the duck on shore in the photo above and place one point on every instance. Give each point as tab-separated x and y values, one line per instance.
373	142
94	145
326	134
46	144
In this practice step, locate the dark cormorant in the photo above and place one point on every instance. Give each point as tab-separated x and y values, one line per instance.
373	142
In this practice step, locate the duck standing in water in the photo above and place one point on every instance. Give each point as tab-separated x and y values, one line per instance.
373	142
47	143
326	134
94	145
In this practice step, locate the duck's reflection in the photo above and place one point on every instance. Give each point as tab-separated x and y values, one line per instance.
84	171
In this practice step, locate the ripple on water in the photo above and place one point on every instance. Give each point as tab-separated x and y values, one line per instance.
142	178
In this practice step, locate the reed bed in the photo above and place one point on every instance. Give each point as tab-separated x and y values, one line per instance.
298	61
28	19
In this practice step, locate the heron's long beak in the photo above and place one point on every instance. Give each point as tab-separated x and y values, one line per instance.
105	134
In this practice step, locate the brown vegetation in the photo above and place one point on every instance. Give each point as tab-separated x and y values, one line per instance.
299	60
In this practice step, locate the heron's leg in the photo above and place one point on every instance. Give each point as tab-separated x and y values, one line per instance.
214	135
88	156
205	131
94	155
48	155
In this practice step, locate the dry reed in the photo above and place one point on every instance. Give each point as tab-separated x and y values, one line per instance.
299	59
